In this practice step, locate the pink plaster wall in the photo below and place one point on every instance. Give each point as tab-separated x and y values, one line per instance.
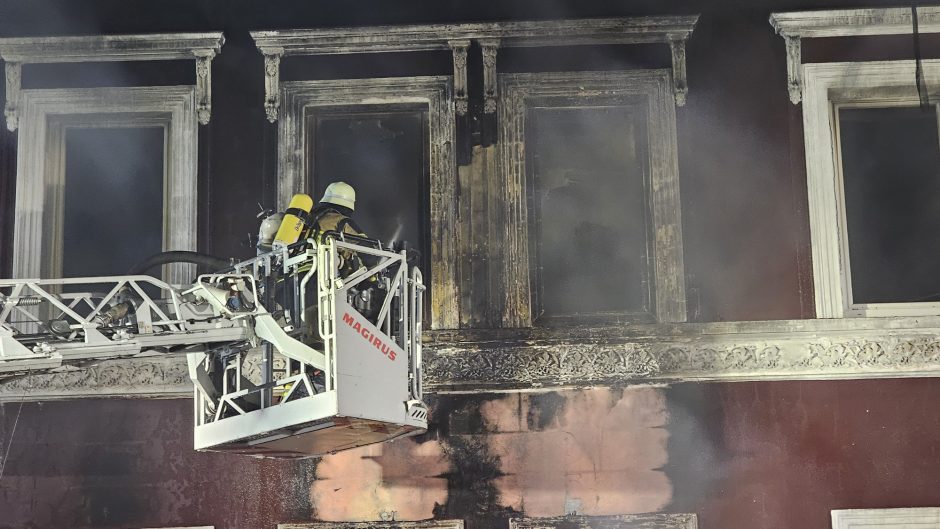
399	479
600	455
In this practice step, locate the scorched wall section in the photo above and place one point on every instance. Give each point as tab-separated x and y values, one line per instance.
747	455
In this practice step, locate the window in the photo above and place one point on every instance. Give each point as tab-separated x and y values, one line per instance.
595	156
916	518
873	171
588	191
393	140
104	176
112	204
383	154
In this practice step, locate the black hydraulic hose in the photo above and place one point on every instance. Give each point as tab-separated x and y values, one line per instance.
180	256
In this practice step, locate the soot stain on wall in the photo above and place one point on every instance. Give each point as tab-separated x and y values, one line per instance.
473	495
696	445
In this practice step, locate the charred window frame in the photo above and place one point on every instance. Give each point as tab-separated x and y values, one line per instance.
434	95
317	176
829	89
633	112
650	94
46	116
426	524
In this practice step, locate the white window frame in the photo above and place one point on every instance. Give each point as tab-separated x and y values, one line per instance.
45	116
905	518
826	87
652	88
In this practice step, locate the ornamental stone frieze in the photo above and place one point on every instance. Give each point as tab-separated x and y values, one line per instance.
532	359
773	350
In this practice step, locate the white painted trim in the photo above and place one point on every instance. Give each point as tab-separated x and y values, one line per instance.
883	83
201	47
99	48
794	26
856	22
40	162
910	518
302	97
529	33
652	88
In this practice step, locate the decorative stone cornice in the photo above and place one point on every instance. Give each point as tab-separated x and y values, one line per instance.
774	350
794	26
338	41
201	47
855	22
672	30
527	359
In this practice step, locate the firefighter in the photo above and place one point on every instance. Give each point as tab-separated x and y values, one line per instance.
333	215
334	212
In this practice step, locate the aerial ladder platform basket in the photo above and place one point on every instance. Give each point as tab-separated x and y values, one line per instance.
289	357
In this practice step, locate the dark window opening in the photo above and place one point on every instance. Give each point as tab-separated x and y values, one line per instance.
113	199
891	178
384	155
589	211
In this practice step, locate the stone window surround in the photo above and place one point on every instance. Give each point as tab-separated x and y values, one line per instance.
44	116
797	25
920	517
881	83
426	524
302	97
187	527
201	47
652	88
622	521
818	86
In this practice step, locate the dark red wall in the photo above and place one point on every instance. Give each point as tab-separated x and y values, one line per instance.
742	456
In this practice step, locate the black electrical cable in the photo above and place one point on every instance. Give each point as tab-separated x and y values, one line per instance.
180	256
3	462
919	68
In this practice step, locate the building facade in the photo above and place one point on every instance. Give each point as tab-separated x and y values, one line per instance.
679	257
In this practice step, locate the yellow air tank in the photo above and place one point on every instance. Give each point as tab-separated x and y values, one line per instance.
295	220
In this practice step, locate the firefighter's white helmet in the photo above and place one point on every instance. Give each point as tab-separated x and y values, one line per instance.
341	194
